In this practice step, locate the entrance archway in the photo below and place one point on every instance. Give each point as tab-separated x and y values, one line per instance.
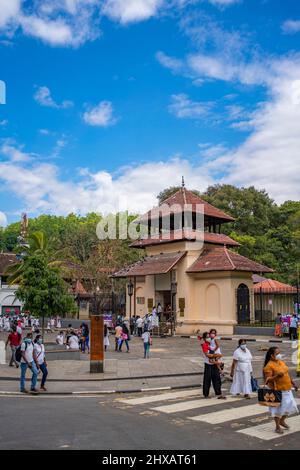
243	304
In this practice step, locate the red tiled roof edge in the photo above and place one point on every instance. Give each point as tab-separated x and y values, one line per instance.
231	262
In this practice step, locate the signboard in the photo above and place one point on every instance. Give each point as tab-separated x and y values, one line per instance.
150	304
181	303
107	318
96	348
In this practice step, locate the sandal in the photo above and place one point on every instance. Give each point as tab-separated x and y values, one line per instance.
285	426
279	431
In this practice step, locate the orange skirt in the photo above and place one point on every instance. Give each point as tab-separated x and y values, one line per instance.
278	330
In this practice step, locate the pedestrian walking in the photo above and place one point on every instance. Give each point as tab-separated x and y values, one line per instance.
277	377
124	338
39	349
293	327
146	336
118	333
139	325
241	370
14	340
132	324
211	371
84	337
106	337
28	360
278	325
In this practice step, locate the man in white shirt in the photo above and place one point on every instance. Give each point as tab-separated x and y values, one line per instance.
28	360
139	324
73	342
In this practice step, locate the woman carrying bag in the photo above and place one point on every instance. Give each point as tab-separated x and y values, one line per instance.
277	378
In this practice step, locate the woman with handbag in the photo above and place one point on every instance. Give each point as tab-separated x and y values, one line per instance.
241	370
277	377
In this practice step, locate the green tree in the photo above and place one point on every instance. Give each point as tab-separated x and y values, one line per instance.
43	291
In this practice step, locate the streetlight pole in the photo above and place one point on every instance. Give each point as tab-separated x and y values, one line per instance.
130	293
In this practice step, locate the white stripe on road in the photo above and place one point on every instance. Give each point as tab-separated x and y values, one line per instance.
162	397
266	432
193	404
231	414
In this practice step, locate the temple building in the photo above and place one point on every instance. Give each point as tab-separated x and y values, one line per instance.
192	273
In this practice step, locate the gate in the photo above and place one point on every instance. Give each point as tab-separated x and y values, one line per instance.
243	304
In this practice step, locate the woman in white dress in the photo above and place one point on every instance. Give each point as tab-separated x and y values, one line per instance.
277	377
241	370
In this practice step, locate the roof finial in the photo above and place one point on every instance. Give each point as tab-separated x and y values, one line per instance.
183	183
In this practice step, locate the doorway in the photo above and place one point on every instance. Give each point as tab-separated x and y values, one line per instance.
243	304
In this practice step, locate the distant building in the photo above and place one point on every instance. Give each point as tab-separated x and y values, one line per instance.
9	304
272	297
201	285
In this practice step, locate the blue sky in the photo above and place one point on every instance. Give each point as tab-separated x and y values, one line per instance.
108	102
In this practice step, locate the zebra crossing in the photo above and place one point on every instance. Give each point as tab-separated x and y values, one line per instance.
234	410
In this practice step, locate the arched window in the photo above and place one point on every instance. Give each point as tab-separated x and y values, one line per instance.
212	302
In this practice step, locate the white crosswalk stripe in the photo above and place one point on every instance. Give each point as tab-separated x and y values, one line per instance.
266	431
161	397
231	414
193	404
212	413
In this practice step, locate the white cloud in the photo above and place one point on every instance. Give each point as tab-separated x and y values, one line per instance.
169	62
41	189
182	107
9	9
3	219
44	98
3	123
13	152
56	22
130	11
101	115
291	26
223	3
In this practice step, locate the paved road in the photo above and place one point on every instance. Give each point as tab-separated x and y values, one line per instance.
173	420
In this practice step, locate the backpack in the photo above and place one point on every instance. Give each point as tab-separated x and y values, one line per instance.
19	352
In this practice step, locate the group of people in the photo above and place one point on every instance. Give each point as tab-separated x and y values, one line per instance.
75	339
28	353
23	321
142	329
287	324
275	372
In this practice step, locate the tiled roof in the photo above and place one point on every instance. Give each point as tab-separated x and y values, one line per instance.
180	235
270	286
156	264
222	259
181	198
6	260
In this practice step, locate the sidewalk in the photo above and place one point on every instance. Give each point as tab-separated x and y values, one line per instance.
174	362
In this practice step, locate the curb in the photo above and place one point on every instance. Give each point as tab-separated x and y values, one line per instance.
103	392
110	379
247	339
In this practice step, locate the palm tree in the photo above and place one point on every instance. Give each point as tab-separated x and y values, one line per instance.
37	244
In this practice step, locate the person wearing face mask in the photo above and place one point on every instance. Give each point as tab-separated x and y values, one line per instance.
211	371
241	370
39	349
28	360
277	377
